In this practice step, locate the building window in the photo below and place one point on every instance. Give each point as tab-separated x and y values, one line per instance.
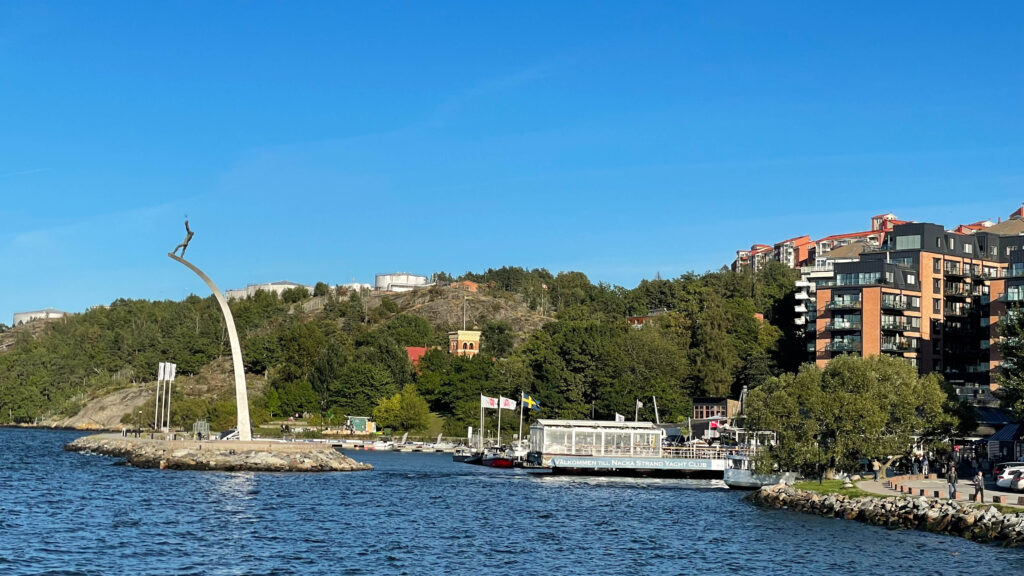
936	265
951	243
968	248
936	285
936	306
908	242
911	279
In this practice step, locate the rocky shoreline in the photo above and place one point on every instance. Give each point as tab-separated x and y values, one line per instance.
218	455
932	515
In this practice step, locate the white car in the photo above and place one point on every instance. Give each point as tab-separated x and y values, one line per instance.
1004	478
1017	481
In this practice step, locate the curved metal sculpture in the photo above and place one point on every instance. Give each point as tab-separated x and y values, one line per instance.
241	395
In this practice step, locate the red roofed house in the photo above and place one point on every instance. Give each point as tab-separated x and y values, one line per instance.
467	285
793	252
415	353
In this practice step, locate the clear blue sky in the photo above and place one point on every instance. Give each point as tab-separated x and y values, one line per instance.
330	141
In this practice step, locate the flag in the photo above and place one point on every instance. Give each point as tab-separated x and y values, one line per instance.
508	403
639	404
713	424
529	402
488	402
619	417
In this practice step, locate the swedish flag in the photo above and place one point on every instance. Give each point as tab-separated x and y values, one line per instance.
530	402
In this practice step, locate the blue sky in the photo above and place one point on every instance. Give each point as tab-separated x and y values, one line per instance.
332	141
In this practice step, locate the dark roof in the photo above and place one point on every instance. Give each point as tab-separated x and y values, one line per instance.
995	416
1006	434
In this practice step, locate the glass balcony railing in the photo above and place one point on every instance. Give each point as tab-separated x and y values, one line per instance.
843	346
899	347
899	327
898	305
843	325
843	305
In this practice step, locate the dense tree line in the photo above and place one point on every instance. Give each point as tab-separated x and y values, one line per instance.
705	338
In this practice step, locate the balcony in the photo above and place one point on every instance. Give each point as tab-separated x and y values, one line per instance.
898	305
801	296
801	309
799	320
899	347
957	291
811	347
843	305
957	312
954	271
837	325
899	327
840	346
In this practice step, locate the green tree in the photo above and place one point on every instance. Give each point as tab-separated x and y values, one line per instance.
321	289
496	339
296	294
855	408
410	330
1011	374
404	411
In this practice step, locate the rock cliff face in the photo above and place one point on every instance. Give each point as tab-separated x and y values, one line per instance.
223	455
932	515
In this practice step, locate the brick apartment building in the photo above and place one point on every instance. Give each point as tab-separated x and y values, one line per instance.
931	296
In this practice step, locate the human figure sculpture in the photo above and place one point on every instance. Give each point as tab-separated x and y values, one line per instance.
188	238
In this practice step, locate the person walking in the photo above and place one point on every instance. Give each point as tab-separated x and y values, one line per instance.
875	467
951	480
924	465
979	486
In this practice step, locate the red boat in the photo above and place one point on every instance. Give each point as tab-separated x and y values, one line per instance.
496	460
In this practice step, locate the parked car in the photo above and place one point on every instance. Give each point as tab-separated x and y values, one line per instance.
1003	480
998	468
1017	481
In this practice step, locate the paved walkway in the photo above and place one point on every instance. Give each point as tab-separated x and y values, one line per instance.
937	488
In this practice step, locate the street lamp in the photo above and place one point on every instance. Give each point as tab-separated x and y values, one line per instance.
817	444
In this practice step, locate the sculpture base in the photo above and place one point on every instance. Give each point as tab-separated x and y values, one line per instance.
228	455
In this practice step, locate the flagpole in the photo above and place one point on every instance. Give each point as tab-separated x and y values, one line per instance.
499	421
481	423
520	417
636	411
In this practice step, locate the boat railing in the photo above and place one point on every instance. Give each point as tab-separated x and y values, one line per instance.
684	452
707	452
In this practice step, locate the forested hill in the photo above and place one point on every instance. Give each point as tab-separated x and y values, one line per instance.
559	337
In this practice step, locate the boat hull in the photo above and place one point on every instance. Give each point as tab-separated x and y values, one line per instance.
747	480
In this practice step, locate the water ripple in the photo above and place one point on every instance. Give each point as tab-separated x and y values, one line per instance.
65	513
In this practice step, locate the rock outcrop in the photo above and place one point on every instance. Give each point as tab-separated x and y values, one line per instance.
218	455
932	515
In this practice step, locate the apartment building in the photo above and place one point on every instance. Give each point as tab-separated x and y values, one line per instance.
930	296
802	251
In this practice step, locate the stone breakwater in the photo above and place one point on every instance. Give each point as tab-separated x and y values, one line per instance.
218	455
932	515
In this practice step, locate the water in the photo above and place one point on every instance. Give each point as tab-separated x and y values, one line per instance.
66	513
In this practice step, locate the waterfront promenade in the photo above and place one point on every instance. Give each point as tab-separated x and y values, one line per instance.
932	486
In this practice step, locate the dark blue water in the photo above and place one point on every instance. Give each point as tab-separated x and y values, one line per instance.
65	513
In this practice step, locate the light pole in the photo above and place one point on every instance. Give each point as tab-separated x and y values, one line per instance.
817	445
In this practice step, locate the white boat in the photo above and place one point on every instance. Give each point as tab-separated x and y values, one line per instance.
740	470
740	474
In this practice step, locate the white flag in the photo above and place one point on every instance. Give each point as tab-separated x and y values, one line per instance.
488	402
619	417
173	371
161	371
508	403
639	404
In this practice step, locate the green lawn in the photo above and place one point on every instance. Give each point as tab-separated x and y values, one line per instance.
831	487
